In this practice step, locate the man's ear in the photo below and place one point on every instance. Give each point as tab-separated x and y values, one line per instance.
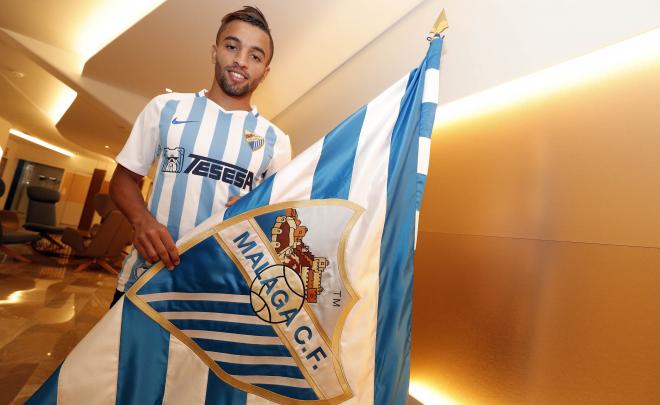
265	74
214	53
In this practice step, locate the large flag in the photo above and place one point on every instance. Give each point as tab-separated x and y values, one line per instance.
299	292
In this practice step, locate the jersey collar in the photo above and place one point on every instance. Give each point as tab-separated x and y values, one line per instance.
202	93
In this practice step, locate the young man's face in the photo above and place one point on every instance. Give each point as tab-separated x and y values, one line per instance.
241	57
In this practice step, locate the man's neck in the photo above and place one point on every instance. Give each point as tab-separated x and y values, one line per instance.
228	102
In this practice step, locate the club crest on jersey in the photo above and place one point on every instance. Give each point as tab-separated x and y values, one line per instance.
255	141
279	305
172	160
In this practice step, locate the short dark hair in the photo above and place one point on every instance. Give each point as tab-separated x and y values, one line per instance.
250	15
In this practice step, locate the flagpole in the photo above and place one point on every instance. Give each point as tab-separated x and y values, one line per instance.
439	26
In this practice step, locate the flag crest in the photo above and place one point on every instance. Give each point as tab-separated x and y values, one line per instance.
271	327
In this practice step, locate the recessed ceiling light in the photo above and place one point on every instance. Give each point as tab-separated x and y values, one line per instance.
167	89
40	142
106	146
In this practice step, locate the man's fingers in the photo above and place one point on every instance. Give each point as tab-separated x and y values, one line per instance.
146	249
162	252
232	200
154	243
170	246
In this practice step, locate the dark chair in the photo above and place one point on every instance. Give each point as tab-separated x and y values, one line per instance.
13	238
41	213
107	239
9	234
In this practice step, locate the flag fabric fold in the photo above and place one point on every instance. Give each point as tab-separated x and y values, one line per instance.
300	292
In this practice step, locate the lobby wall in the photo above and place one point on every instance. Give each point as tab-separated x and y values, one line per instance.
75	182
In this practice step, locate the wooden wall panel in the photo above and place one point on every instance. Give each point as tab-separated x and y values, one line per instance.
578	165
74	191
95	184
504	320
537	269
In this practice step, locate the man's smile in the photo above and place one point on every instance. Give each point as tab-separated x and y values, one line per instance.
236	75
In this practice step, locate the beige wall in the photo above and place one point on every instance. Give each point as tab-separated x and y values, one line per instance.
537	277
4	132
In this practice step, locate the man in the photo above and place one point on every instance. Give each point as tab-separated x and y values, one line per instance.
212	148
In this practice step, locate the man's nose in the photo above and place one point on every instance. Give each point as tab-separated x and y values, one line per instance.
240	58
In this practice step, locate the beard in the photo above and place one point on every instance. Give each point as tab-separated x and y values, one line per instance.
229	88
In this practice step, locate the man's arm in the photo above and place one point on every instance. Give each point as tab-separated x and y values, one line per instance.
151	239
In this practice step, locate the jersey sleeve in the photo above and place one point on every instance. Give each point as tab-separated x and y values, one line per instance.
281	154
141	146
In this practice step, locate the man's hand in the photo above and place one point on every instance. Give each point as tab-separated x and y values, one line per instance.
232	200
151	238
154	242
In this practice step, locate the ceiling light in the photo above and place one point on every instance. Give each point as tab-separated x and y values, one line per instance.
17	74
107	146
109	20
632	52
40	142
168	90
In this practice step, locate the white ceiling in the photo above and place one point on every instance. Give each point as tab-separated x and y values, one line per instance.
170	47
330	56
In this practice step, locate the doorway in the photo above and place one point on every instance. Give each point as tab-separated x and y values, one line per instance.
30	173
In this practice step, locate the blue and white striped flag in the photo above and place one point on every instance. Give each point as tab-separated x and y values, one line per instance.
299	292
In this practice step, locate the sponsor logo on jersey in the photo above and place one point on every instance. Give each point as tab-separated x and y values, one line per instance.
219	170
172	160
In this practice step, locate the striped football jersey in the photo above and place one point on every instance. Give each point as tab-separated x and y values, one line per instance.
204	155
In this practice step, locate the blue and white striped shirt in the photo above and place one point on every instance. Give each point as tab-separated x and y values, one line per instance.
204	155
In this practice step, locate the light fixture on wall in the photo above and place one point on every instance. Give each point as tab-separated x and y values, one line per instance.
40	142
633	52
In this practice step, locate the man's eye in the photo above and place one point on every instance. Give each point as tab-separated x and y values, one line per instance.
230	47
256	57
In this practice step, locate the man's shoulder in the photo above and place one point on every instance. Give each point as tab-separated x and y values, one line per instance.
160	100
266	123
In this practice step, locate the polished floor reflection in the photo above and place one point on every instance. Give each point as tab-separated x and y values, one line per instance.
45	309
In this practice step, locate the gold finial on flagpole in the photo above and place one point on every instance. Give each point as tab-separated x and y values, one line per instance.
440	25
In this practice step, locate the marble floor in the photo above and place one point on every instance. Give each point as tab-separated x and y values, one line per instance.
45	309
